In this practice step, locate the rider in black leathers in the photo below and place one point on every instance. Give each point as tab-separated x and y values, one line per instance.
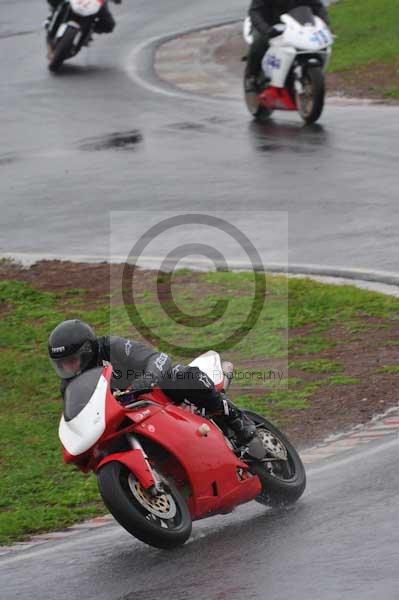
264	14
74	348
105	23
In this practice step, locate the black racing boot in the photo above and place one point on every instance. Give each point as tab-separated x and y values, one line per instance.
251	85
244	429
46	23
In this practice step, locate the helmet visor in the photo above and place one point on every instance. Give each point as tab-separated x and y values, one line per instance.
70	366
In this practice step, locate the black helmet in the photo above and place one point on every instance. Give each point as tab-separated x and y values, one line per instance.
73	348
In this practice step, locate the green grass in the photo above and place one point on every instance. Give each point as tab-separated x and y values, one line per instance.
37	491
391	93
320	365
392	369
368	32
342	380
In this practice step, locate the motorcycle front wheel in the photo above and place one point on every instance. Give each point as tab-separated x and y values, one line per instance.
283	477
62	49
162	521
310	102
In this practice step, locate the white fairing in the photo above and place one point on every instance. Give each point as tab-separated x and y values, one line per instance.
277	63
82	432
210	363
86	8
304	37
296	39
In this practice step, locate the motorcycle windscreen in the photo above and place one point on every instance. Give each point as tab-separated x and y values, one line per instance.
303	15
79	392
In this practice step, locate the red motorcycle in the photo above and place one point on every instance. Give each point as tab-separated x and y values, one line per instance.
161	466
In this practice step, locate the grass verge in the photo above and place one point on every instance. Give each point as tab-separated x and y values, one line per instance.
319	330
366	52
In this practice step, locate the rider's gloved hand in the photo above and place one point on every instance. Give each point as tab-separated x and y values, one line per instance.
117	1
276	30
143	385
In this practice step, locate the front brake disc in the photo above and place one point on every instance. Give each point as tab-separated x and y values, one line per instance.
162	505
272	444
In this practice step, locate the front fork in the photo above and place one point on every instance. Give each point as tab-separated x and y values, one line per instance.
298	75
64	14
60	14
158	487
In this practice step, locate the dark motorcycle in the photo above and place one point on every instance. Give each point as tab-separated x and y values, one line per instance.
70	28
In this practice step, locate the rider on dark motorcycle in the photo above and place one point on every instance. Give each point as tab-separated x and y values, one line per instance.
264	14
105	22
73	348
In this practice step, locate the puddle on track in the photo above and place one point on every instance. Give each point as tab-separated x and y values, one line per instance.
114	141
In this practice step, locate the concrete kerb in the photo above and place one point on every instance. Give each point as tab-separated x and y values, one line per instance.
379	277
141	64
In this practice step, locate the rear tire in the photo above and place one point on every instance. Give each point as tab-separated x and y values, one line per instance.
286	488
310	104
62	49
116	491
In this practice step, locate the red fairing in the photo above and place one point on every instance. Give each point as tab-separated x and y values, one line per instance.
199	459
212	468
134	460
277	98
82	461
69	458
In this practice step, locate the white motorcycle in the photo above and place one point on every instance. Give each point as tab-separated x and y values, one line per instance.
70	28
293	67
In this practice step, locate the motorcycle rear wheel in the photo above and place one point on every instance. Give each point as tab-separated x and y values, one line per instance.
62	49
283	481
162	521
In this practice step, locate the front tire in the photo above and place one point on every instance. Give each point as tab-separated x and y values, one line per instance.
163	521
283	482
310	103
62	49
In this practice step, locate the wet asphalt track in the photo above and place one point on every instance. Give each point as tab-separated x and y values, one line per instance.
340	542
60	174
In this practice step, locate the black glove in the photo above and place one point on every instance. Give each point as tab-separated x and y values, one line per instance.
117	1
276	30
142	385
